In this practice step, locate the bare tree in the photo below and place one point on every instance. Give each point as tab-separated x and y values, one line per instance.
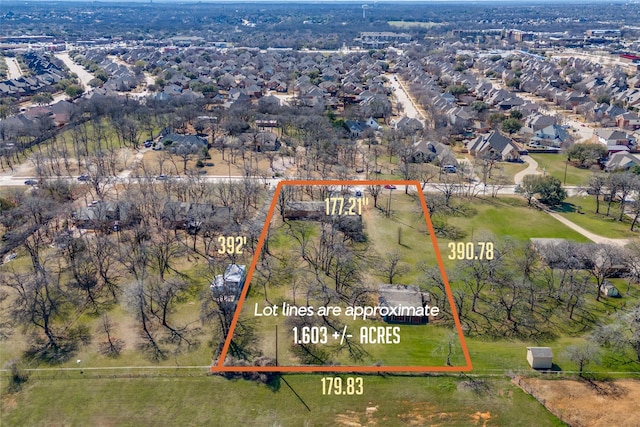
391	266
111	346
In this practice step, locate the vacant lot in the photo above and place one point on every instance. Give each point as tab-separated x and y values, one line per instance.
213	401
588	403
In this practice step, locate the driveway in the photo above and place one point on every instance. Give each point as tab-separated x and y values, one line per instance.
532	169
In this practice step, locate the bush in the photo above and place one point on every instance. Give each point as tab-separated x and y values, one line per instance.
18	376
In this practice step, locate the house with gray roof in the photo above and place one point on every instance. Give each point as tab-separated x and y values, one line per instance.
622	161
494	144
408	302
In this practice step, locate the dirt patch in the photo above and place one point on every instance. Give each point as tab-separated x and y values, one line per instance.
481	417
588	403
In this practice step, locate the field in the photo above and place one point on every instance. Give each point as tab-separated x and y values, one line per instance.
164	396
554	165
510	216
581	210
296	400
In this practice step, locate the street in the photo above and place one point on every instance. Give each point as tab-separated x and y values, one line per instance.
84	76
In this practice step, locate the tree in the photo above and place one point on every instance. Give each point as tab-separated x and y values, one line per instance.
479	106
458	90
595	187
514	83
496	118
600	260
73	91
624	183
515	114
185	151
528	187
511	125
583	354
374	190
391	266
42	98
622	334
586	153
550	190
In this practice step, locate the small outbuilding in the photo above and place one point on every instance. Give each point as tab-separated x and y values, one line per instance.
540	357
609	290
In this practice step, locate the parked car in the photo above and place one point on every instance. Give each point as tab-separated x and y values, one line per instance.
83	177
449	168
148	143
358	193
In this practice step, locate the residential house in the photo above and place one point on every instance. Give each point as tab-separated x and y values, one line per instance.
628	121
356	127
409	125
622	161
408	302
553	135
195	216
177	139
228	286
426	151
261	141
615	140
537	121
494	144
351	225
106	216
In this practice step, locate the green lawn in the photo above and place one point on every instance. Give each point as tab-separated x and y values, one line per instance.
581	210
296	400
554	164
511	169
510	216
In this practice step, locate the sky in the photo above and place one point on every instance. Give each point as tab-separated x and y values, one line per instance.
327	1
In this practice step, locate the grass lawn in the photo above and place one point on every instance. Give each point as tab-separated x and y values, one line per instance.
554	164
511	169
585	217
510	216
295	400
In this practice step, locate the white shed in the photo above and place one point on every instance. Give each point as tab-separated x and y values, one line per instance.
540	357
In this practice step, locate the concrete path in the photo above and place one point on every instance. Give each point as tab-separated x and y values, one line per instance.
532	169
589	235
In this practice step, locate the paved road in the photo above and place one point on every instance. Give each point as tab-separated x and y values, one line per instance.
13	69
402	95
124	177
84	76
532	169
